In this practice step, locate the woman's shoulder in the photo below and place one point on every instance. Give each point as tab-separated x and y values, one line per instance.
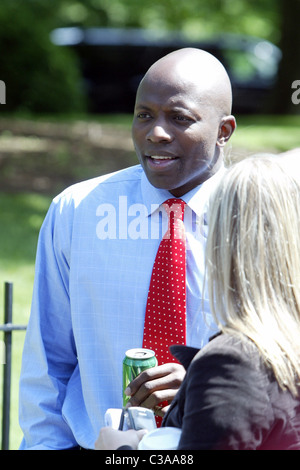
232	348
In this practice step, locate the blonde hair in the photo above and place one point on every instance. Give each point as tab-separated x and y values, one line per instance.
253	261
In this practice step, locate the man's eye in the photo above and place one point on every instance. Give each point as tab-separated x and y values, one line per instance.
143	116
183	118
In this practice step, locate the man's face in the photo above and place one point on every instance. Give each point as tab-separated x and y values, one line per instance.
175	132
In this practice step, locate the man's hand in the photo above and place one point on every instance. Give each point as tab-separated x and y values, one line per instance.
156	385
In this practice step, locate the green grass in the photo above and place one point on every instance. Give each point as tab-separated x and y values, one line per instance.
21	216
256	134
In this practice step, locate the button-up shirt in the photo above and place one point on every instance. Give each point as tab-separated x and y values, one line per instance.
94	261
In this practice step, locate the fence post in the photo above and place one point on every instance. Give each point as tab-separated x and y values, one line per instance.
8	328
7	367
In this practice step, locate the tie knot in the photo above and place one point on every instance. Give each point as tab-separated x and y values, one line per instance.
175	207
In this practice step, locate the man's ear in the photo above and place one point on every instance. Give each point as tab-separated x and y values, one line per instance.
226	129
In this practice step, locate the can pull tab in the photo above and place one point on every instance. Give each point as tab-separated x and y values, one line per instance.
141	355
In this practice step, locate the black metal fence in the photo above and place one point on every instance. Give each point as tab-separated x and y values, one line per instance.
7	328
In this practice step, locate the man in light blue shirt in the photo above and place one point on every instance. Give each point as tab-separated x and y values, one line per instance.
96	251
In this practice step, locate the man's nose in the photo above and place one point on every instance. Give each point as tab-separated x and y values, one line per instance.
159	132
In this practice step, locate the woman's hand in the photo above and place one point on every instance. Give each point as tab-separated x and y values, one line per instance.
112	439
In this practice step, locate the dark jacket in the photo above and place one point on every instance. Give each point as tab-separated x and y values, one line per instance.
230	400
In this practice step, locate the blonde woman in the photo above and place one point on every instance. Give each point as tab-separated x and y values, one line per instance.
241	391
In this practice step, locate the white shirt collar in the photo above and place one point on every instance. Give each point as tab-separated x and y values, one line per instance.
197	199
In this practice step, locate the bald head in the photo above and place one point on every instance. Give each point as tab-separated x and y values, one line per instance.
198	71
182	120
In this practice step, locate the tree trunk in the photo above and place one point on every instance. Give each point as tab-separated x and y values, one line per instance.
289	71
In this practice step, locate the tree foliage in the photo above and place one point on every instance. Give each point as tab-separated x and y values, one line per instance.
197	18
42	76
39	77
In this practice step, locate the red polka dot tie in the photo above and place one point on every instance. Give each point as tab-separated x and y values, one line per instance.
165	319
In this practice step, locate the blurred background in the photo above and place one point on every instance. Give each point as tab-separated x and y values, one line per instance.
71	69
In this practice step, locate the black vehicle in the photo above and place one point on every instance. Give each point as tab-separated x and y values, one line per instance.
113	61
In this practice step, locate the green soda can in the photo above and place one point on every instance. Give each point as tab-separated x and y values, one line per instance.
135	361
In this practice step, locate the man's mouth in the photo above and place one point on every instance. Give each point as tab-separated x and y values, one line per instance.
160	162
160	159
157	157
